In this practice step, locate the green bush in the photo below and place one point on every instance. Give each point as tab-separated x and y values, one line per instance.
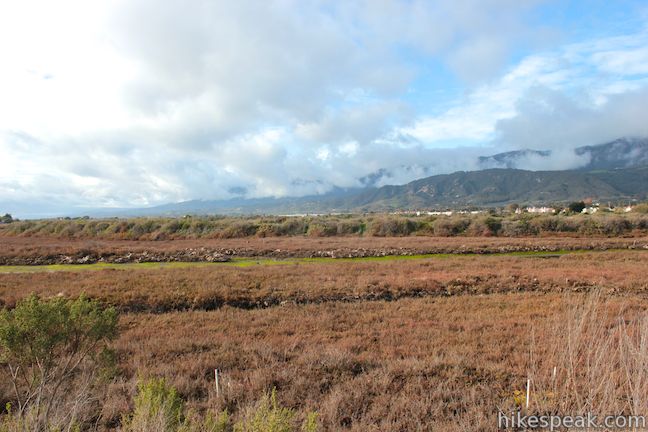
269	416
576	206
211	423
158	407
54	352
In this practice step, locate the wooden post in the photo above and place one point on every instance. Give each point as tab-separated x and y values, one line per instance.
528	392
216	381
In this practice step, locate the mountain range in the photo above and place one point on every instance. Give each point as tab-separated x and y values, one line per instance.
621	153
615	171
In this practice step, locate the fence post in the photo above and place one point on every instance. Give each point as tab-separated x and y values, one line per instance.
217	383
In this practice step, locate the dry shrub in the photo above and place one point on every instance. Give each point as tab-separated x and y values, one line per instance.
520	227
641	208
392	226
410	395
239	229
485	226
322	229
209	227
616	225
450	227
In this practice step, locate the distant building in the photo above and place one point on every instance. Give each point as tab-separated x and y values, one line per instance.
540	210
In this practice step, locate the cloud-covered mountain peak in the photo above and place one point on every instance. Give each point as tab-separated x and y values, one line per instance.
624	152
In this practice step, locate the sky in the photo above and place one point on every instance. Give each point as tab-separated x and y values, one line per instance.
135	103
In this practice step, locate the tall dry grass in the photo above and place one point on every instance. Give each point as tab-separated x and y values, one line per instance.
593	358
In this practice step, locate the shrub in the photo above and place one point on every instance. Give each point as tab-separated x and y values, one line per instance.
322	229
171	227
70	230
239	230
392	227
616	225
576	206
450	227
54	351
349	227
269	416
485	226
120	227
158	407
267	230
425	228
211	423
589	226
641	223
520	227
552	224
293	226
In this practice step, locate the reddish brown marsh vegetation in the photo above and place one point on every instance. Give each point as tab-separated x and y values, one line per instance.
266	285
415	364
460	335
20	250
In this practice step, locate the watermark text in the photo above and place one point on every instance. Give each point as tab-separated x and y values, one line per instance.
518	420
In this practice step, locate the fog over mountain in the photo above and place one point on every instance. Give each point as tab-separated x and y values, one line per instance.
615	171
620	153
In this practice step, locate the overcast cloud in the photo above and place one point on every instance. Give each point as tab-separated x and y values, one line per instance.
141	102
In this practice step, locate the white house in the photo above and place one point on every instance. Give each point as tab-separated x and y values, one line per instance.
540	210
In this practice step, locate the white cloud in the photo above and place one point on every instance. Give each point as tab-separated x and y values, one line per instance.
562	98
623	62
140	102
548	119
